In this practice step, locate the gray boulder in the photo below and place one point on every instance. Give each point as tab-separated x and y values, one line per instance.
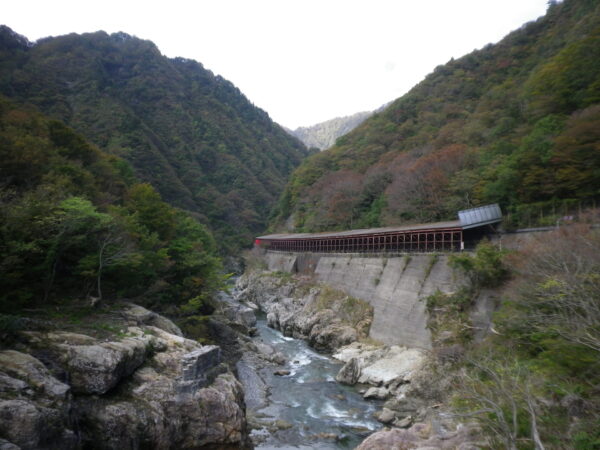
379	393
350	373
95	369
22	371
137	315
31	426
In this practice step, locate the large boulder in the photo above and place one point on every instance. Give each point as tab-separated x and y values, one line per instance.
22	371
382	365
329	337
424	436
138	315
32	426
182	397
93	367
153	413
34	406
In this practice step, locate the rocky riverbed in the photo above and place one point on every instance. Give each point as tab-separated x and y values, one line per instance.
404	385
293	399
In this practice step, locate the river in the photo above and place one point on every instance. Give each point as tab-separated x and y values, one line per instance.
310	409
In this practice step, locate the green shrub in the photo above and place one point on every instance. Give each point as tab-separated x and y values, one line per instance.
486	268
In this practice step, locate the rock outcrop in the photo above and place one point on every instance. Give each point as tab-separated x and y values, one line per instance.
326	318
379	366
424	437
323	135
147	387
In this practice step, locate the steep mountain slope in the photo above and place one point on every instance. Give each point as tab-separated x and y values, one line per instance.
74	222
323	135
192	135
517	123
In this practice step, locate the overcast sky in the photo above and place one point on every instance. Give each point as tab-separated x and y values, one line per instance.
303	61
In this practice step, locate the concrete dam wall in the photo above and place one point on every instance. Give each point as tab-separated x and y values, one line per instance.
395	286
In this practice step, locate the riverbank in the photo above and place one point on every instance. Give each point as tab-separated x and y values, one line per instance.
405	383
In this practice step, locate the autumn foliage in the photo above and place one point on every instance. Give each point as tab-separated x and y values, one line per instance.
514	123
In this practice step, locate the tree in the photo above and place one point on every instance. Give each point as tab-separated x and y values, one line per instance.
501	394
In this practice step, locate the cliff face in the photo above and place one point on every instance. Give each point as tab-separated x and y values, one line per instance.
323	135
142	386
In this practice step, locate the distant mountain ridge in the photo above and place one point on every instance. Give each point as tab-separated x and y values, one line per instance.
193	135
323	135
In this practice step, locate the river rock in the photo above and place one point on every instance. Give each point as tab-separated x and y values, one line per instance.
268	353
156	418
12	385
349	373
34	406
422	436
138	315
385	416
329	337
403	423
179	399
397	363
378	393
281	373
236	312
383	365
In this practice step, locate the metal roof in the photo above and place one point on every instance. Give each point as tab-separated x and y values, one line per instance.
477	217
454	224
468	218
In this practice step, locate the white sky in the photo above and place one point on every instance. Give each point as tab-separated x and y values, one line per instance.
303	61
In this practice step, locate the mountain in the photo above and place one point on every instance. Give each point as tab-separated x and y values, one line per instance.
193	135
323	135
517	123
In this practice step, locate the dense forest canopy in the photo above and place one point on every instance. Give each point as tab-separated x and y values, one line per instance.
516	123
75	224
192	135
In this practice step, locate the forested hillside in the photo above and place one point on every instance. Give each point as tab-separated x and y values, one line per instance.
192	135
76	224
516	123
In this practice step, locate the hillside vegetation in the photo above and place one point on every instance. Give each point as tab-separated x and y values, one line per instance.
192	135
516	123
532	382
77	226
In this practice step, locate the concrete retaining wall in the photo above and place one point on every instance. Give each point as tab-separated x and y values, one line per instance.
395	286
